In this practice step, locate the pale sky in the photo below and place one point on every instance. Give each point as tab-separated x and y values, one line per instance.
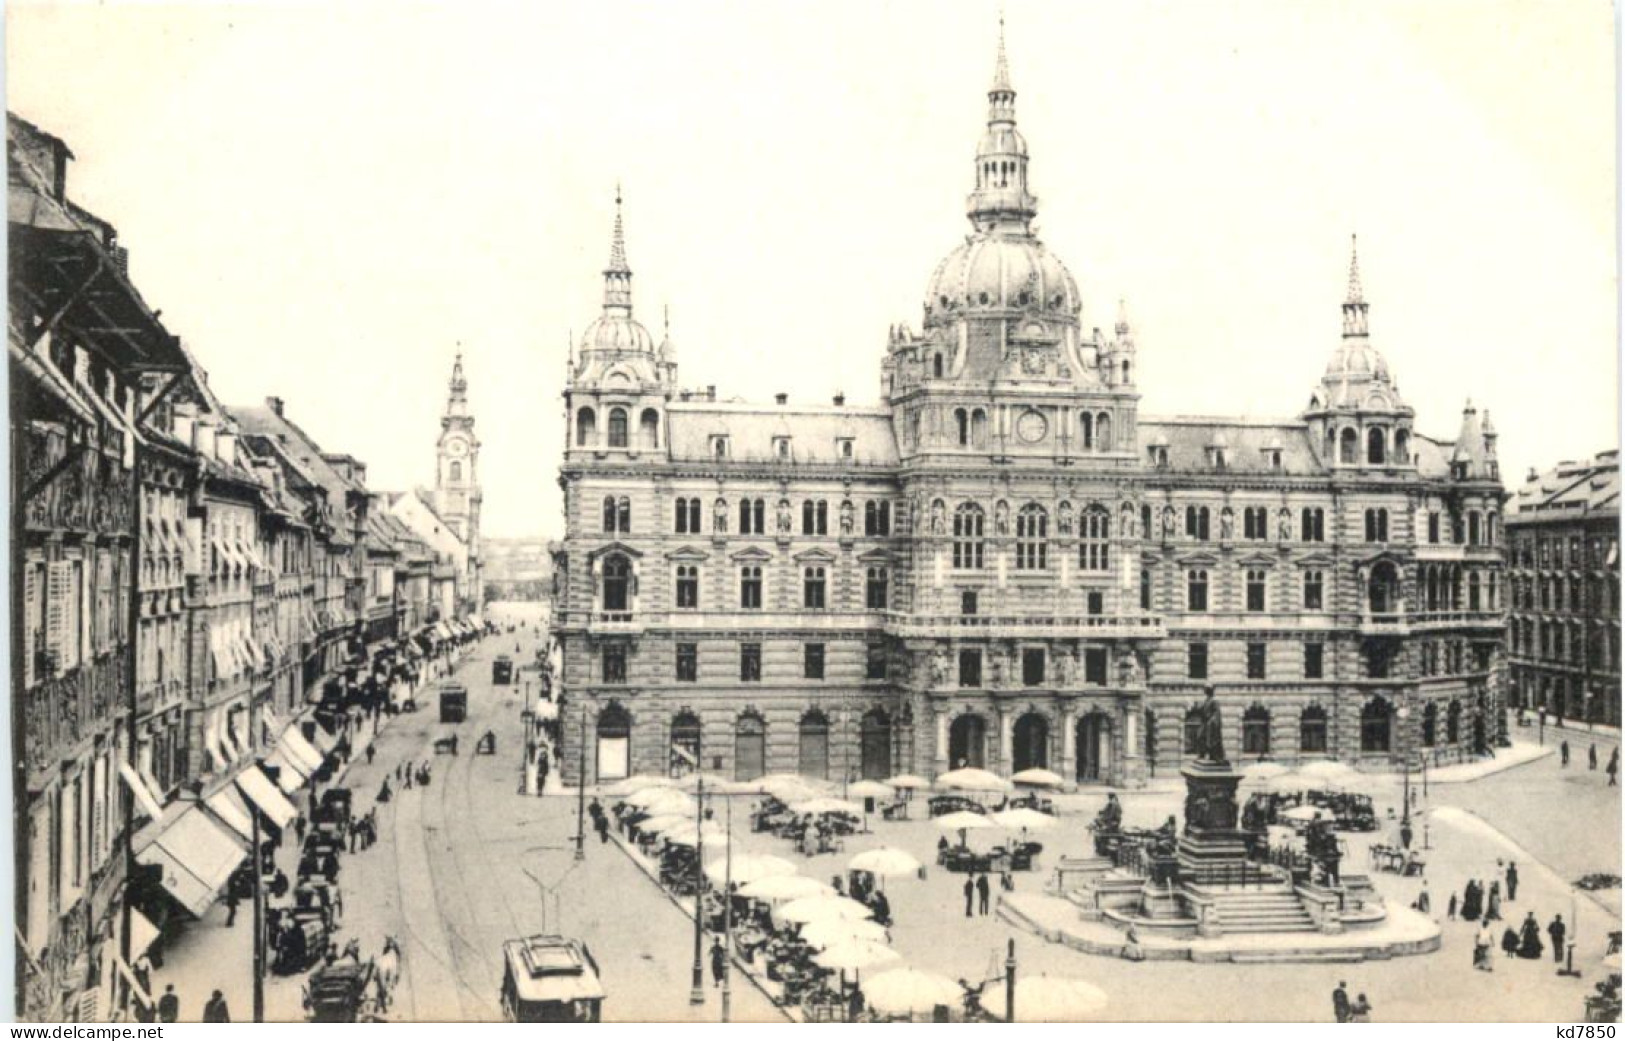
325	200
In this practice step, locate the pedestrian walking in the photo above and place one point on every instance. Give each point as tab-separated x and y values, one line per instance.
1360	1011
982	892
970	895
1512	881
1424	902
1613	769
1509	942
1450	908
1340	1002
215	1010
1529	946
1591	756
371	751
1483	941
169	1006
719	962
1563	749
299	828
1557	931
1492	909
1405	833
232	900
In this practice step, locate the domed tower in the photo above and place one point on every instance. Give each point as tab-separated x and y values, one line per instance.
457	492
1002	364
617	388
1356	416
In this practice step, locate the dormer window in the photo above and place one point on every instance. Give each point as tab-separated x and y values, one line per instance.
1275	458
1216	457
781	448
719	446
1159	456
844	447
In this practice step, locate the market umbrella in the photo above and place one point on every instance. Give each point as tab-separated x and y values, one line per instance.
749	867
1304	813
1288	782
1263	771
786	787
855	955
827	932
1024	819
1329	770
868	790
1038	778
825	805
661	823
644	798
908	781
907	992
1045	999
637	782
714	843
715	784
963	820
885	862
814	908
973	780
783	888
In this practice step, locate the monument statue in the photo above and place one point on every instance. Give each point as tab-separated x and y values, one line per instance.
1210	743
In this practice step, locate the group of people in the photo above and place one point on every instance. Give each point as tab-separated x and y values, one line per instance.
1591	759
1522	942
979	891
406	774
364	830
1346	1011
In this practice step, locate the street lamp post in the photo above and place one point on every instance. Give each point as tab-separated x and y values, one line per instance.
581	788
728	916
696	996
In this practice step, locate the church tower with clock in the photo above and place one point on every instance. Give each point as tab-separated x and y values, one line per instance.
457	494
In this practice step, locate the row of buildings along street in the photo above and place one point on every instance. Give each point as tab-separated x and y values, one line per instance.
190	577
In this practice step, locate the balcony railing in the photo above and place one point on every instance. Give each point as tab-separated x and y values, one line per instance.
1096	626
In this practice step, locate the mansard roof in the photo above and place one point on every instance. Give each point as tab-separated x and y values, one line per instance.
815	433
1188	439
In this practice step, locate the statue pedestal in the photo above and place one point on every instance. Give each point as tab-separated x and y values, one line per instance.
1212	850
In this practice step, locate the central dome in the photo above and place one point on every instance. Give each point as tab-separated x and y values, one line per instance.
617	332
1001	272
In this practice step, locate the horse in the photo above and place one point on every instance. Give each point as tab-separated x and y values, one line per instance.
388	965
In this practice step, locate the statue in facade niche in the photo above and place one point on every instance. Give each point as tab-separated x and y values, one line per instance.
1127	526
784	516
1063	518
1060	670
1128	669
996	669
1167	522
1227	524
938	517
719	517
1001	518
1284	530
846	516
939	668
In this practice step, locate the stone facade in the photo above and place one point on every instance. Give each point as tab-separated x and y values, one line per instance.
1005	564
1563	543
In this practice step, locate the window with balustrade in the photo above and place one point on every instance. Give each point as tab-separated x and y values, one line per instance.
1094	552
970	524
1032	538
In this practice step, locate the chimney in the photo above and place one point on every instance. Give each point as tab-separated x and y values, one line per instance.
781	399
275	405
1534	475
711	392
840	399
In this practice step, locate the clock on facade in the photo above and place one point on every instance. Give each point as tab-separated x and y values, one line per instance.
1031	427
456	448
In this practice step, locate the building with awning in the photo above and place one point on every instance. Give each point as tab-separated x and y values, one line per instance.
266	798
227	805
195	854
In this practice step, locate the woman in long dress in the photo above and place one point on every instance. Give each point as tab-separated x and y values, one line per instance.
1492	911
1531	947
1472	902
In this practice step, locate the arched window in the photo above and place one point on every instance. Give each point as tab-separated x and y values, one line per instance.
1376	446
1382	589
1472	528
617	428
1474	597
1032	538
1145	522
685	744
586	428
1376	525
978	428
1196	589
936	366
1452	723
614	743
1430	725
1103	432
456	471
688	516
1257	585
609	513
1196	523
623	515
649	428
1086	430
874	740
813	758
970	524
1312	730
1349	447
1094	554
750	747
1402	446
962	425
1255	731
617	583
1030	743
1376	726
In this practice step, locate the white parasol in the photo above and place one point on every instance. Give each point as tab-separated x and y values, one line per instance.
783	888
899	992
1038	778
749	867
868	790
908	781
1024	819
825	805
1044	999
971	779
885	862
1304	813
638	782
827	932
855	955
963	820
814	908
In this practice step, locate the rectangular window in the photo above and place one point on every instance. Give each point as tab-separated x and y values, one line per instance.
1094	666
970	668
1313	524
967	602
1255	661
750	662
1097	603
875	666
1196	661
812	589
875	589
614	663
1145	589
1314	590
688	586
1255	590
1314	661
1032	667
750	587
688	662
1196	590
812	661
1433	527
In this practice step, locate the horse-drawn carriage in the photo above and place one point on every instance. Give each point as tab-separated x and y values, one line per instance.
331	817
344	992
942	805
320	857
297	937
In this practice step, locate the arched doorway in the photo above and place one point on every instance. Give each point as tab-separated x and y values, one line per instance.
685	745
875	738
813	757
750	748
967	742
1031	749
614	744
1094	742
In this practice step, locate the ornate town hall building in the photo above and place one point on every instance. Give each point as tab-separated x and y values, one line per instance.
1005	564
